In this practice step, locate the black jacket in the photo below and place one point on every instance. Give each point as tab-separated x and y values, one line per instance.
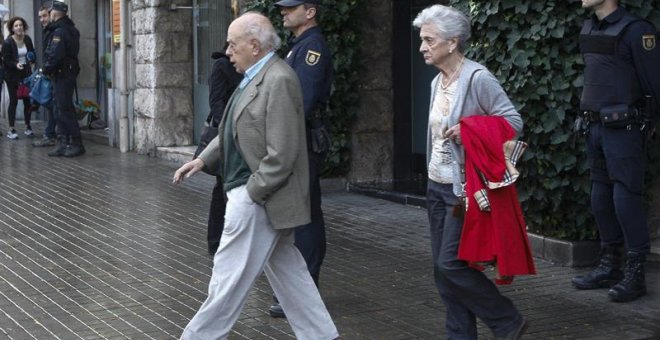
10	58
61	55
222	83
47	32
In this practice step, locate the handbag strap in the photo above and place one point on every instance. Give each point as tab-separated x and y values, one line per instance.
462	164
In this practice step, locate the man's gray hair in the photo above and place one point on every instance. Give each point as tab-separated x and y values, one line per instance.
450	22
262	30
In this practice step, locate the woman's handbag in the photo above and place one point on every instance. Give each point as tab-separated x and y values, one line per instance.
23	91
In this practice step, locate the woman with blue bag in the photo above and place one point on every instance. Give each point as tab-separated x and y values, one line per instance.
14	58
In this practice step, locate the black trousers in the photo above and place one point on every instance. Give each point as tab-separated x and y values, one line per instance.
310	238
216	222
63	109
12	86
617	160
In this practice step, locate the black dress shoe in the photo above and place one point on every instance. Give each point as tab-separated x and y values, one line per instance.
276	311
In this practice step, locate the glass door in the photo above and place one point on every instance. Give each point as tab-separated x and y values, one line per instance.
210	19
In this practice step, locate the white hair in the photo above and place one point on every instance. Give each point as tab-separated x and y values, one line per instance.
450	22
263	31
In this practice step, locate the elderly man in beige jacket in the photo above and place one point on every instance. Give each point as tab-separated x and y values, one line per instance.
261	151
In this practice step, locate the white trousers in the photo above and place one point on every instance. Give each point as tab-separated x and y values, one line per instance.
248	247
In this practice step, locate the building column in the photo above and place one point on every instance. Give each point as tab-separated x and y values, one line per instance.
372	131
163	97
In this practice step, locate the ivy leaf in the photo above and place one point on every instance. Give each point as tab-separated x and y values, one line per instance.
522	7
557	32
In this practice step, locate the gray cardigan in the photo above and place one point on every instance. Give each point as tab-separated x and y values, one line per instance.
485	97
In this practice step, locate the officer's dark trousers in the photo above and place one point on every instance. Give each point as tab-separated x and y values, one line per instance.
216	216
310	238
65	112
467	293
616	160
49	131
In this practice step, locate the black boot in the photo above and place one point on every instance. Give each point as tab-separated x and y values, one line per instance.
60	146
606	275
75	148
276	310
633	284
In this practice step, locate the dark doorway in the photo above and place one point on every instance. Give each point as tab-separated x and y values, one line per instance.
412	79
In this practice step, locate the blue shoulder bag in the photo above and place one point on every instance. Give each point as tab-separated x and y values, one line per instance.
41	89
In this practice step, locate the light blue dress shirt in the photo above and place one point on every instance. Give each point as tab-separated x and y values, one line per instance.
254	69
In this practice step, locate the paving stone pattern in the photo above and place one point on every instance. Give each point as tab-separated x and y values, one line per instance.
103	246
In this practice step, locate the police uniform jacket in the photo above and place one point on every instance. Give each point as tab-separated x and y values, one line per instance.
622	62
310	57
61	56
10	58
46	35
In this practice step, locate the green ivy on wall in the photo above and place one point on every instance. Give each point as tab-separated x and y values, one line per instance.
532	47
339	22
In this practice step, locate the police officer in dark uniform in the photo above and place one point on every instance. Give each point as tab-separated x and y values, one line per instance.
61	64
620	105
310	57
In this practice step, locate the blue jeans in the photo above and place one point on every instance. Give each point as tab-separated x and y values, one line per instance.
467	293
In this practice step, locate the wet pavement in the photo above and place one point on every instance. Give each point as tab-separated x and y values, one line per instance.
103	246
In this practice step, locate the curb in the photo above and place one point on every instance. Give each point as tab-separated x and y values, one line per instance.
564	253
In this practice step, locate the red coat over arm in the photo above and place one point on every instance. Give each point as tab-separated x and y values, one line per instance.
498	235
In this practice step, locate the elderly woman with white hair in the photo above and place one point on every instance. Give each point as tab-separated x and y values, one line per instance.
463	88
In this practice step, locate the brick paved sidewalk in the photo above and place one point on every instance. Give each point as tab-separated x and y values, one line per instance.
104	247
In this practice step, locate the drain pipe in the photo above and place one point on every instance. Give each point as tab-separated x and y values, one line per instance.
123	79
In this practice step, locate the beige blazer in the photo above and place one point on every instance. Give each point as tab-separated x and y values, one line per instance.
269	131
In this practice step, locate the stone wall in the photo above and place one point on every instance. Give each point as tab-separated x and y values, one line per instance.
372	132
163	104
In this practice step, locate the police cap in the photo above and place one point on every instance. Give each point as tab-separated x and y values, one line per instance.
59	6
294	3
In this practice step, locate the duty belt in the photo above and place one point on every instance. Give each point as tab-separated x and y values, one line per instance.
591	116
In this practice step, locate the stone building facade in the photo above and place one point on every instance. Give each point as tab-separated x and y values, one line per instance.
372	154
162	97
163	101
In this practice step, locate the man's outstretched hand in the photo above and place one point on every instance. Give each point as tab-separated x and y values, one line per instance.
187	170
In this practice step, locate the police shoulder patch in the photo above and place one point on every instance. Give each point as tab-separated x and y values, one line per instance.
312	57
56	39
648	41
